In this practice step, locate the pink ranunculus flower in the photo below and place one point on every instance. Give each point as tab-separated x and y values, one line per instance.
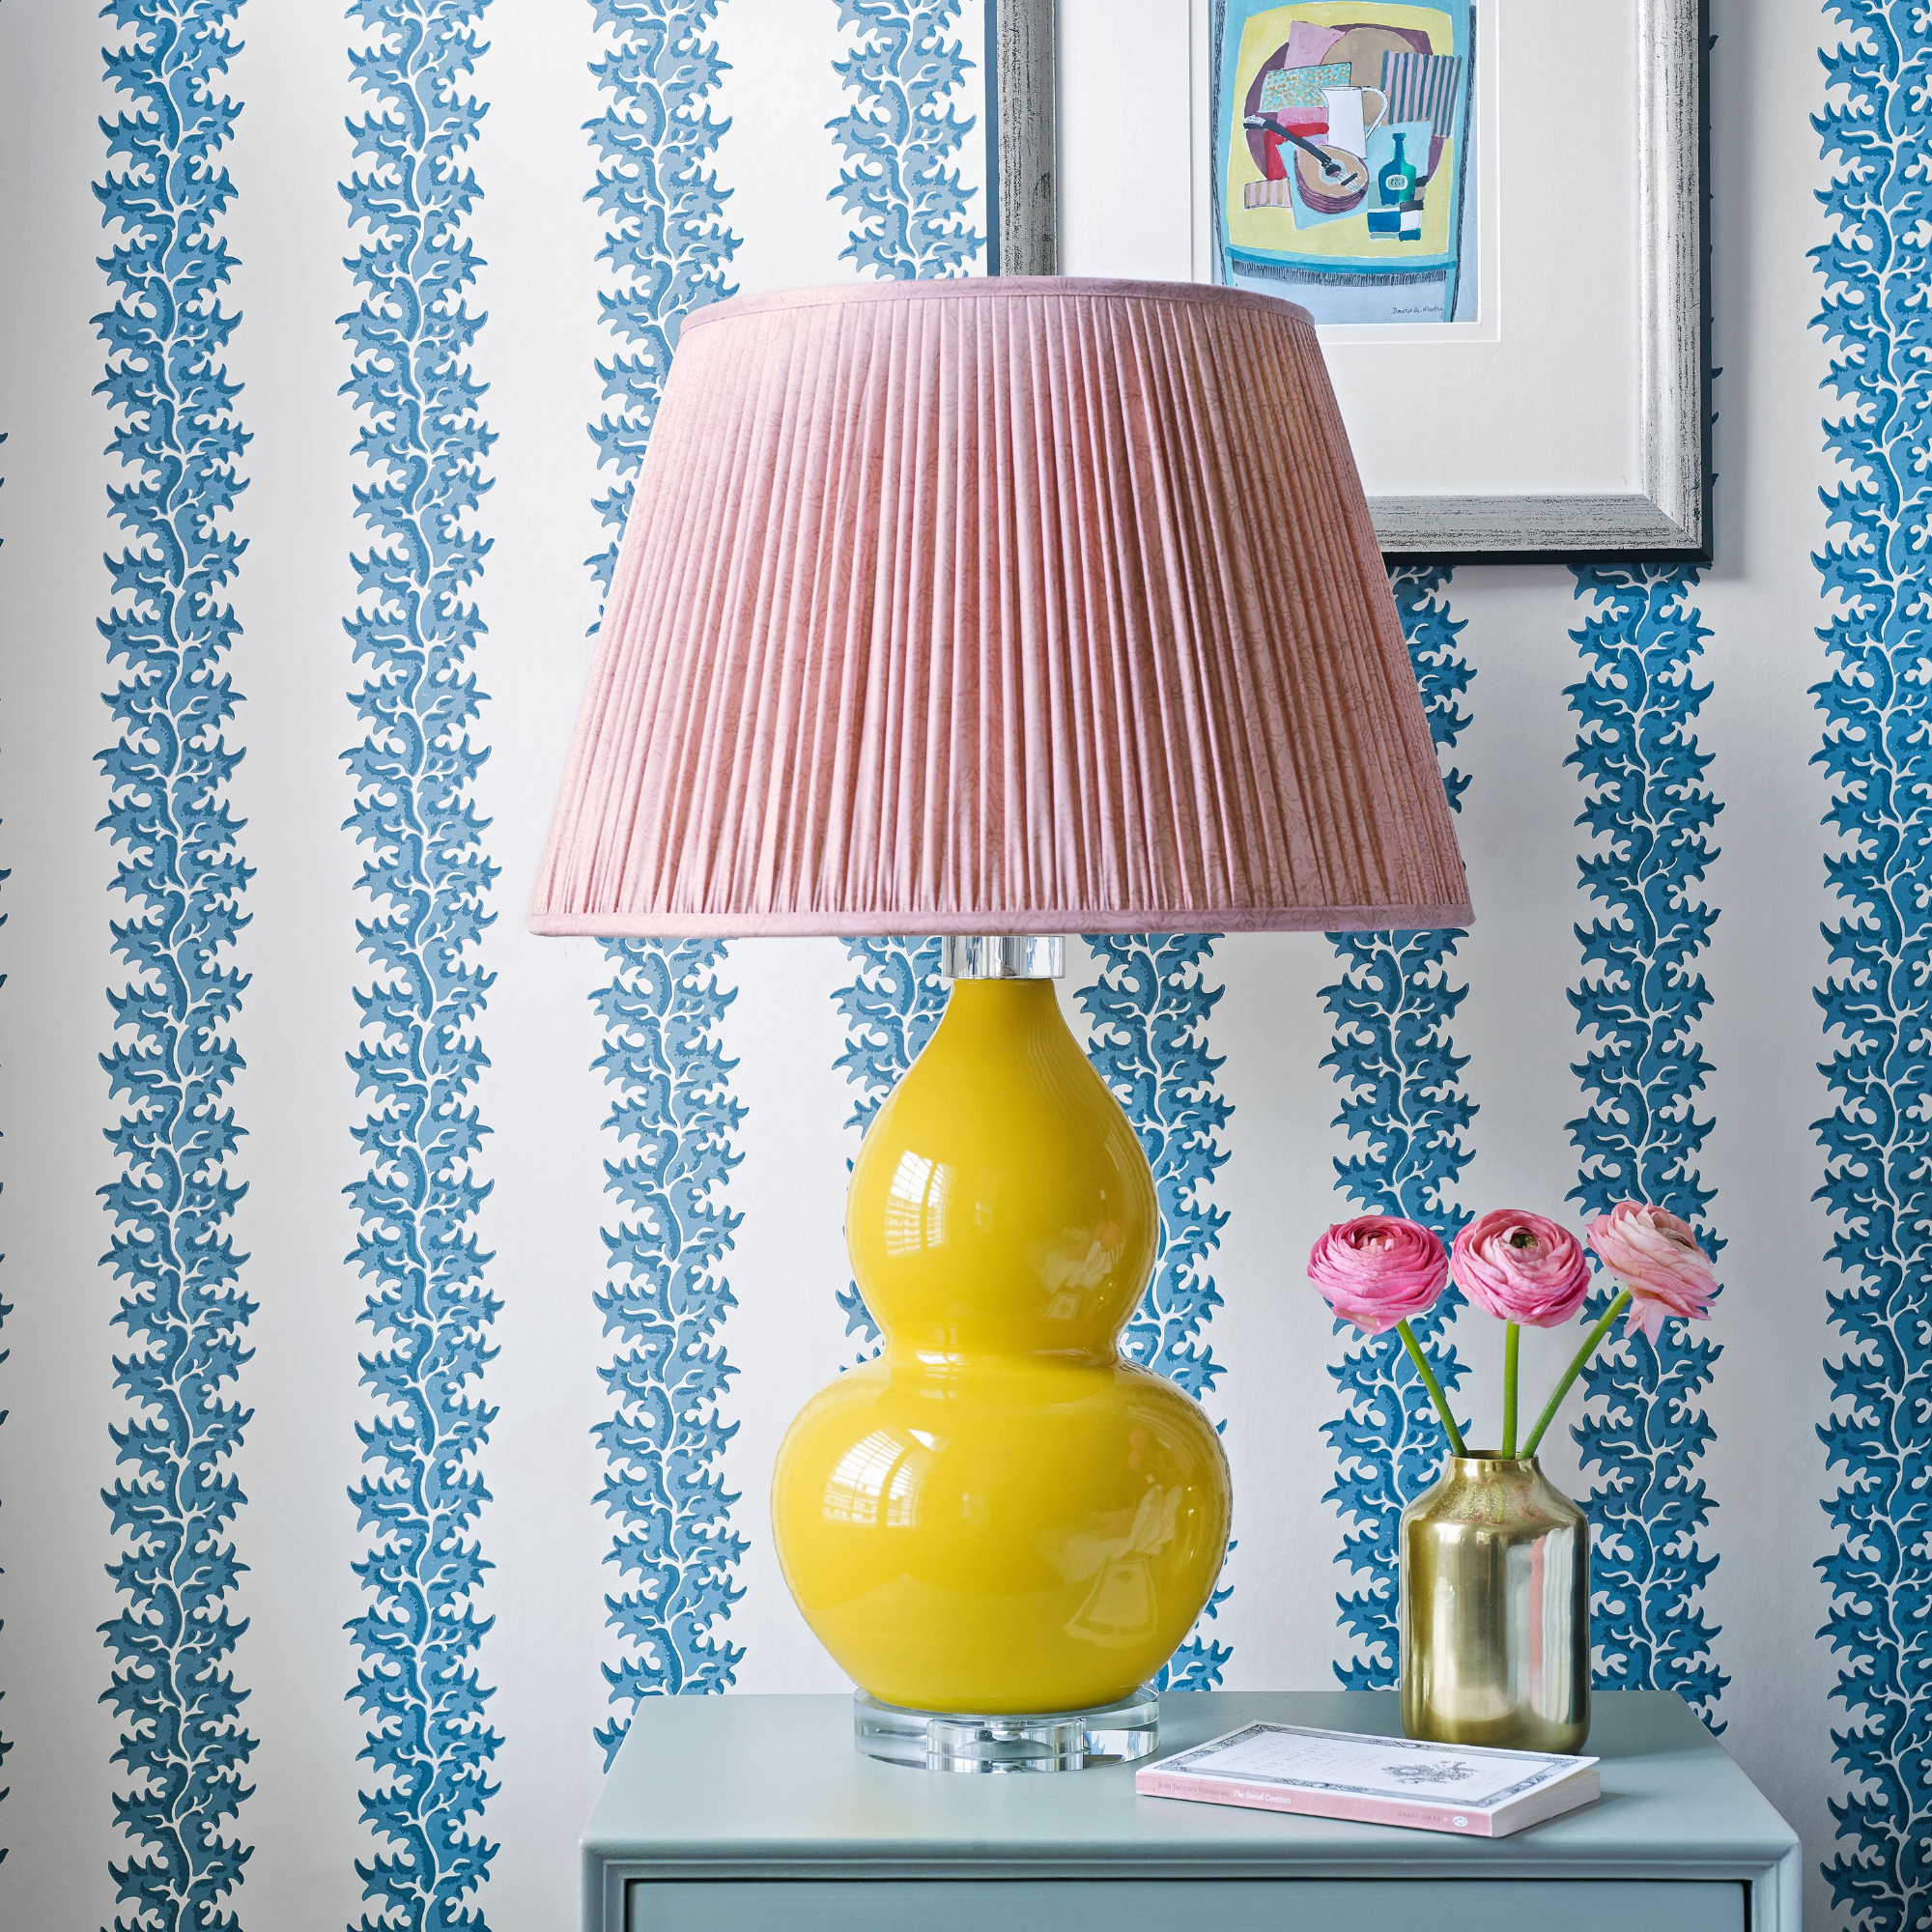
1376	1271
1521	1267
1656	1255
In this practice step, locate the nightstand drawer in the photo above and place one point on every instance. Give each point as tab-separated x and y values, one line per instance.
1164	1905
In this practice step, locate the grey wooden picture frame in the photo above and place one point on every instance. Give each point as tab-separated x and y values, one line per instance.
1022	75
1668	520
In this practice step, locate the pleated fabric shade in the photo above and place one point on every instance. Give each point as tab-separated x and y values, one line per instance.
1000	606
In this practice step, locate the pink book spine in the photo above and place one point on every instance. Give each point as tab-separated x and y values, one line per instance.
1317	1804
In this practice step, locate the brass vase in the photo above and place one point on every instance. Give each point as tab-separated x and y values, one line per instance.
1495	1609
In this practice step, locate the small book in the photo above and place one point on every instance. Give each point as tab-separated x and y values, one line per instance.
1477	1792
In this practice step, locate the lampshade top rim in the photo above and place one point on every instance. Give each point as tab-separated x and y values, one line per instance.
999	288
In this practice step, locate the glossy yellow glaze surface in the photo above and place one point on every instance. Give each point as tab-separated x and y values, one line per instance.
999	1513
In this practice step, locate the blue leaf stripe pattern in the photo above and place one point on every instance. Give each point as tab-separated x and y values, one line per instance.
666	237
1876	266
1149	1011
1641	999
896	1000
675	1549
912	211
183	1746
427	878
668	248
1403	1098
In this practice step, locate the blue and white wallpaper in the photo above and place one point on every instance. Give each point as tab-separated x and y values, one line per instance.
399	1315
413	631
177	1019
1875	1142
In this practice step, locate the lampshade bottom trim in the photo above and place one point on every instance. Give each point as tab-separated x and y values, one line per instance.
1116	1733
894	924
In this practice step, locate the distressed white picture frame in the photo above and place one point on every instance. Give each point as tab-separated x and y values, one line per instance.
1667	515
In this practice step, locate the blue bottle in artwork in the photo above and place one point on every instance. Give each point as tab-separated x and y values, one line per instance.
1397	179
1395	186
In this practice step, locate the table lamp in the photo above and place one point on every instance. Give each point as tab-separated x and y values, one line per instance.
999	609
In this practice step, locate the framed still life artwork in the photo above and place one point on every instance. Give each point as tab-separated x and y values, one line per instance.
1342	168
1492	209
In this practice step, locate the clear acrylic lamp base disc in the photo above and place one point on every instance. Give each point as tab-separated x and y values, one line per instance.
966	1740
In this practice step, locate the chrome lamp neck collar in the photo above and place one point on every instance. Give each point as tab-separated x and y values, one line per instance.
1018	956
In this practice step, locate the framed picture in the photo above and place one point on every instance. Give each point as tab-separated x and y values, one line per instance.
1022	136
1352	195
1495	210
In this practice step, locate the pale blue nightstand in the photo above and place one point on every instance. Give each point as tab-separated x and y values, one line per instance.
724	1813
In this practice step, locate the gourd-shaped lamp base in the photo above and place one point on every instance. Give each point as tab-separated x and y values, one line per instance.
998	1514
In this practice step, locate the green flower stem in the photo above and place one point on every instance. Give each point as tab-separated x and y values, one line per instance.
1575	1369
1512	1341
1434	1387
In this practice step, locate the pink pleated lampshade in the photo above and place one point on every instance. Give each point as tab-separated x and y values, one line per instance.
1000	607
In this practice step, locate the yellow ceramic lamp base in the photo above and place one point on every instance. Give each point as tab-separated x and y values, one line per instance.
999	1514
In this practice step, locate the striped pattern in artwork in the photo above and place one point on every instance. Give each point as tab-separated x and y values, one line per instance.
1423	87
